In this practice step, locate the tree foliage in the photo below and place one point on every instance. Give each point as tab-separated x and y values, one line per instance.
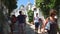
30	15
46	5
10	4
38	2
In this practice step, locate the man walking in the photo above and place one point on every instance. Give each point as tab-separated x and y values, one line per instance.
21	19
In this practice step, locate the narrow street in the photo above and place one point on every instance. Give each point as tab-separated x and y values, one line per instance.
29	29
34	10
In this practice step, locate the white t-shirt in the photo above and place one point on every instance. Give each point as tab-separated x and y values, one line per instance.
36	19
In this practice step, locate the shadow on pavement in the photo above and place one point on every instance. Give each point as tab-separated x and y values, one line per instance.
29	30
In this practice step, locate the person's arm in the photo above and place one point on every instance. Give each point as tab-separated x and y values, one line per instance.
33	20
46	21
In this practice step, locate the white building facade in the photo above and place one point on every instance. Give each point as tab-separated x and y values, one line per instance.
32	7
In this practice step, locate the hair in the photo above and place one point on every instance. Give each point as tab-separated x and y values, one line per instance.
36	13
52	12
13	15
20	12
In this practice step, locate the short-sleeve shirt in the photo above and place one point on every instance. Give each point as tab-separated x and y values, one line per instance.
21	18
36	19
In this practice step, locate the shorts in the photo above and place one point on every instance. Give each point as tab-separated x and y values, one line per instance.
36	25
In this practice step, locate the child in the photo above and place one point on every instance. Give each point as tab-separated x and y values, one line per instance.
40	22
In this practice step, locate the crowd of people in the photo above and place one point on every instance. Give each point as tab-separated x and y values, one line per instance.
50	23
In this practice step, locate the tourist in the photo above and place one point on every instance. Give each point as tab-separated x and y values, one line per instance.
22	22
13	21
36	22
51	24
40	23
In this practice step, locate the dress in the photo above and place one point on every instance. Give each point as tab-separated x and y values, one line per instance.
53	28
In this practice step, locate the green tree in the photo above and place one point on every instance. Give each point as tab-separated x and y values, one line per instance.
30	15
57	6
38	2
46	5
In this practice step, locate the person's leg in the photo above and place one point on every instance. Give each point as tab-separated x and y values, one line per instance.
23	28
40	27
35	26
48	31
20	28
11	27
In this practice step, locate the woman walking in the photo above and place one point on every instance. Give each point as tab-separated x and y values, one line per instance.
51	24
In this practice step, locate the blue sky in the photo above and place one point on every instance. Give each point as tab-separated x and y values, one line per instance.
24	2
